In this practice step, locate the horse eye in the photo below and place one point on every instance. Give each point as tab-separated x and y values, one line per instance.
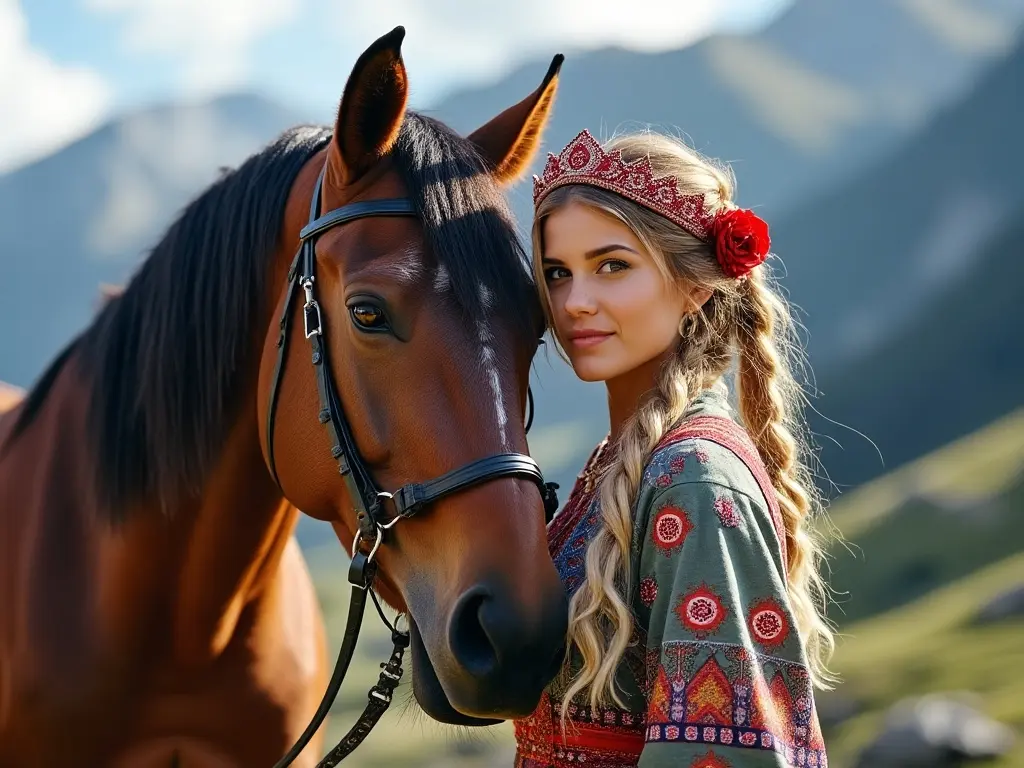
368	317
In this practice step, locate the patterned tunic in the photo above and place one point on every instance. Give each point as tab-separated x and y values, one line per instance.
715	676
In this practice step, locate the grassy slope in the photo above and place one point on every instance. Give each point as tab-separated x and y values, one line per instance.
932	645
933	542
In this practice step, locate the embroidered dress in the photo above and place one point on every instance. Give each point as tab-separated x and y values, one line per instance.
715	676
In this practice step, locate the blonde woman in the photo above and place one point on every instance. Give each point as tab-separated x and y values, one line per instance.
696	631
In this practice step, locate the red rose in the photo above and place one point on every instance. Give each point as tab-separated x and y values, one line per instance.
741	241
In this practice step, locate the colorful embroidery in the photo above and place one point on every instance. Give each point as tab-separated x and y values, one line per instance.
701	611
570	559
720	693
670	528
710	760
718	697
648	590
727	512
606	738
768	624
734	438
669	461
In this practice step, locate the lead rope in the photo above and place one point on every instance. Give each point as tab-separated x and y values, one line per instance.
379	696
361	575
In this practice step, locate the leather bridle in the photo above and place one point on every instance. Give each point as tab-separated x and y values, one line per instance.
373	521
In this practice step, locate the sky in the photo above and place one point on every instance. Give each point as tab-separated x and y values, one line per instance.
68	65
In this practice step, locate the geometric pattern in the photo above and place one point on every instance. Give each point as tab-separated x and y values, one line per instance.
719	694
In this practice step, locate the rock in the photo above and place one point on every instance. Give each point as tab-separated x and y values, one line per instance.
1004	606
935	731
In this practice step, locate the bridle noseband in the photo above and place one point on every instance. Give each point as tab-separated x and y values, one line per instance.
367	497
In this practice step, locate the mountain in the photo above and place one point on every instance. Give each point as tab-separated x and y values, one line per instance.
797	106
86	214
910	223
813	96
959	363
912	284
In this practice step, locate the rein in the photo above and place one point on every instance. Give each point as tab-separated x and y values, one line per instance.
369	500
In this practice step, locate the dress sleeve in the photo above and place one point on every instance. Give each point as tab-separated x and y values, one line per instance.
727	681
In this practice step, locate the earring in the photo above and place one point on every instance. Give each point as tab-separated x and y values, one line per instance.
684	324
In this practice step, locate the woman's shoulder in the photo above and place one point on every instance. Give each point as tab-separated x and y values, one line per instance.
708	445
707	452
708	471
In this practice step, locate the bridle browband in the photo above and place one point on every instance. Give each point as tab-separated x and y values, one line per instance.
366	496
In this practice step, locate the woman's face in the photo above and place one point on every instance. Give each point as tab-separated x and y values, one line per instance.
612	309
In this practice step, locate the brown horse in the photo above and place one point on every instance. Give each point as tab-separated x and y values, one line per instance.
154	607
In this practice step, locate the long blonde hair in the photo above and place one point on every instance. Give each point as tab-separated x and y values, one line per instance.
743	319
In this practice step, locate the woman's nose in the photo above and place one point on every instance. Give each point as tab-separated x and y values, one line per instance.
579	299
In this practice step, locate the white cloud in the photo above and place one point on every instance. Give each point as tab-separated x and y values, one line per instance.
212	37
451	43
44	104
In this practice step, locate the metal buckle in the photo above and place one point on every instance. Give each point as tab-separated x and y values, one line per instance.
311	309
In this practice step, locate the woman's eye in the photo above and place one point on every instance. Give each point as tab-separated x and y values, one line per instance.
368	316
613	265
556	273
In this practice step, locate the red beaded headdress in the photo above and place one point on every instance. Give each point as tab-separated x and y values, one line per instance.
740	237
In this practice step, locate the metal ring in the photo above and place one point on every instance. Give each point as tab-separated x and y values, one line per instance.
390	523
399	619
376	543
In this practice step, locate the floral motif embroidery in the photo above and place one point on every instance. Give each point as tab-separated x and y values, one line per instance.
720	693
671	461
710	760
701	611
670	528
648	590
727	512
768	624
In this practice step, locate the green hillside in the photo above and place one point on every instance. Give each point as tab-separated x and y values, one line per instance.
928	545
931	646
931	522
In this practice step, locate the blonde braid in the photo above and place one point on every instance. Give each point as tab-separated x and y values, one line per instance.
601	622
769	399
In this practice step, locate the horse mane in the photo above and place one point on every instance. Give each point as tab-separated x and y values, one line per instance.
166	355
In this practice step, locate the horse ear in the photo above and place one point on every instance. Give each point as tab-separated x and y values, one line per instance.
372	109
509	141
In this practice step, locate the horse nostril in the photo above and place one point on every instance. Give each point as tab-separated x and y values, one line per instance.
469	641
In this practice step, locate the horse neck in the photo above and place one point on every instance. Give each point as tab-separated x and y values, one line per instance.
235	538
180	581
